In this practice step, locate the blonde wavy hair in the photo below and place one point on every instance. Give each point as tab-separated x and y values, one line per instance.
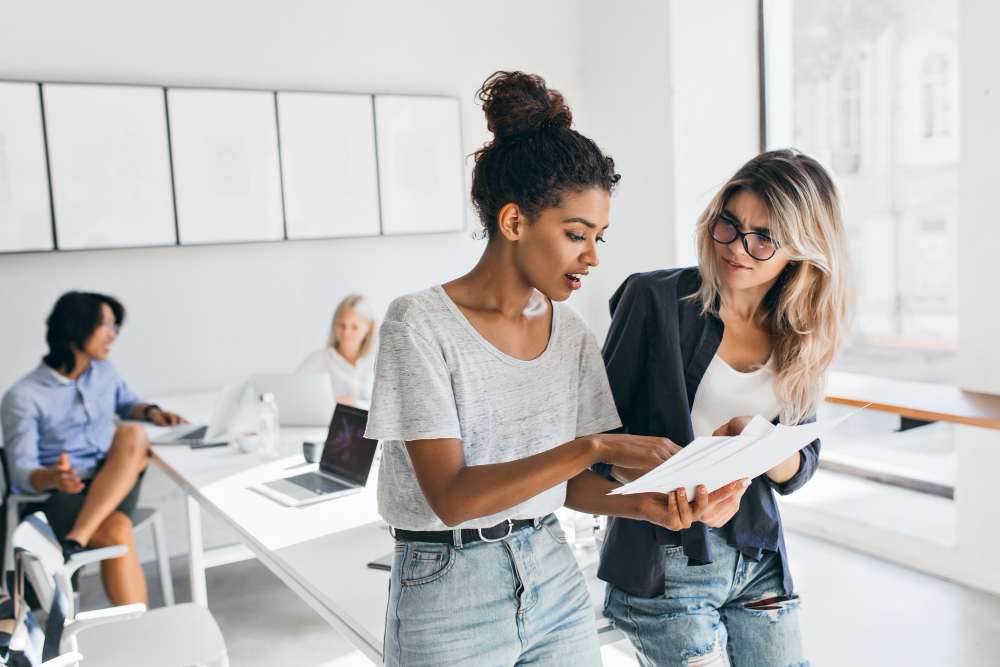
810	311
359	305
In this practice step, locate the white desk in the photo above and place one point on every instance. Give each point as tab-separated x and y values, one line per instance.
320	551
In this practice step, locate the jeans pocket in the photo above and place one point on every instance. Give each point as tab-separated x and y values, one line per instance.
554	529
424	562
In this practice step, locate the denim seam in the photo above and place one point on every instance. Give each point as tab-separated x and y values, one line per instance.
399	621
636	632
437	575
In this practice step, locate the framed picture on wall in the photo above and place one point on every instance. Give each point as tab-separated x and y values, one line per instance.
110	164
420	164
227	175
328	165
25	211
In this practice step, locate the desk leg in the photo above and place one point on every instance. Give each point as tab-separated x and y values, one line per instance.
196	554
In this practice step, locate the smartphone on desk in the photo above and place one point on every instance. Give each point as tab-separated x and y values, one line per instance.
201	444
383	563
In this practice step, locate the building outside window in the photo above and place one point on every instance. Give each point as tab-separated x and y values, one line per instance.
872	94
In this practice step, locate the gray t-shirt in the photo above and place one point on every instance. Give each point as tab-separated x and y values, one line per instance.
436	377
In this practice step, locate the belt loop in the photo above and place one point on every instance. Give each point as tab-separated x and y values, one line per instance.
537	522
456	538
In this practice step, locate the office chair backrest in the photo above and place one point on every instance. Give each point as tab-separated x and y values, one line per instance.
4	474
44	557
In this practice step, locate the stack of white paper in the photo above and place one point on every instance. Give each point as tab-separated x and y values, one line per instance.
718	460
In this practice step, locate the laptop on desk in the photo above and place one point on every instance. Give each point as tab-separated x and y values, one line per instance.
304	399
232	401
343	469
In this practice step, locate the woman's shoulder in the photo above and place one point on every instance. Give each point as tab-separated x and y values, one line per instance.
416	308
314	361
569	318
659	286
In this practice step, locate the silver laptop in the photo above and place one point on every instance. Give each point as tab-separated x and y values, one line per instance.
304	399
343	469
232	400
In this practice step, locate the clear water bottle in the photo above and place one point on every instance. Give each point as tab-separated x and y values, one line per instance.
268	435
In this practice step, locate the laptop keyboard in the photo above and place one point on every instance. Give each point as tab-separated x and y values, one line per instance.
318	483
196	434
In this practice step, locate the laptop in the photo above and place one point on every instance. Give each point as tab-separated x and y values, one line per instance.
233	399
343	468
304	399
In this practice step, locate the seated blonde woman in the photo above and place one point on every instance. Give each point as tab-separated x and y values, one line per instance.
349	356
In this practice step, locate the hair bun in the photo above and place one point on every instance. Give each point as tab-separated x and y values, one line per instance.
516	103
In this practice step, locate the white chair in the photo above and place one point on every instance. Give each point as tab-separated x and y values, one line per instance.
64	660
143	517
177	636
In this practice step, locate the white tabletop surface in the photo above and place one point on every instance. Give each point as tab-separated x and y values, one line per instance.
324	548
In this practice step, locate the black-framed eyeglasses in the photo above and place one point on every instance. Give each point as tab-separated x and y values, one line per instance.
759	246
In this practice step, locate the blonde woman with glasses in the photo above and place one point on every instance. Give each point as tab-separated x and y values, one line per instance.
697	351
349	355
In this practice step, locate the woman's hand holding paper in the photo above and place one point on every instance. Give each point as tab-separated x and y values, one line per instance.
674	512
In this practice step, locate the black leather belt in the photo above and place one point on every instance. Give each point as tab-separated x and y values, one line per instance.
491	534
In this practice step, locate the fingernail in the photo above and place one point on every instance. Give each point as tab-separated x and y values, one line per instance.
681	492
746	482
703	491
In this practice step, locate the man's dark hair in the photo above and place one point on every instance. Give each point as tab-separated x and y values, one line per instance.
73	320
535	158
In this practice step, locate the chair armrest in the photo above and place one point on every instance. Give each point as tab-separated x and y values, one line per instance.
79	559
23	498
64	576
65	660
90	619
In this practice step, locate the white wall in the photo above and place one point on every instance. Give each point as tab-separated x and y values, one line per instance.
199	317
628	104
713	53
671	94
979	305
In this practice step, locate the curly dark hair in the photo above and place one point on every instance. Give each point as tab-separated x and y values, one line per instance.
73	320
535	158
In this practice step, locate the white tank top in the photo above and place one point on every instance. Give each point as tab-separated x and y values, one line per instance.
725	393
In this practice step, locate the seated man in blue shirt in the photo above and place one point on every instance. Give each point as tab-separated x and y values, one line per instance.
59	436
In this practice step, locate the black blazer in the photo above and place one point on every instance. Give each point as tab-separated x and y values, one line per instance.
656	354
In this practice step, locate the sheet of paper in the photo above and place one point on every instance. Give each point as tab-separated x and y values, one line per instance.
717	461
700	453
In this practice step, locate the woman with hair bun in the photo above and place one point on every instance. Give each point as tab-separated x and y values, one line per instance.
696	352
488	393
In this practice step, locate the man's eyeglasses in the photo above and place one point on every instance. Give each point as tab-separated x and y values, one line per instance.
759	246
113	327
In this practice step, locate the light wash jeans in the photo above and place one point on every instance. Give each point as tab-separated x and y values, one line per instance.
702	620
520	601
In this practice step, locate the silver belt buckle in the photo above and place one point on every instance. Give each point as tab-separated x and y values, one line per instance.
510	529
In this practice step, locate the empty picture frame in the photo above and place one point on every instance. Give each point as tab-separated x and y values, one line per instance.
110	163
227	177
328	165
420	164
25	211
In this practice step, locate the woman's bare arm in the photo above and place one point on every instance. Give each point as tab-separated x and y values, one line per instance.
458	492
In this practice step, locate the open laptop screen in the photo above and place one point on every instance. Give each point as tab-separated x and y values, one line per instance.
348	454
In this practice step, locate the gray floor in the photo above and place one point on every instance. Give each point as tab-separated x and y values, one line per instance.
856	611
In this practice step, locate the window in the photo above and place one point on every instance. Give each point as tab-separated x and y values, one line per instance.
870	91
936	107
847	152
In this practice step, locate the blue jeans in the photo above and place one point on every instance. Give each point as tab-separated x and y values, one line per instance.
519	601
702	619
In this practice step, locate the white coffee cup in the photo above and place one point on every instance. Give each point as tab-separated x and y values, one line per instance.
312	451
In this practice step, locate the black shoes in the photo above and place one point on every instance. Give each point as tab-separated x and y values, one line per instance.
70	548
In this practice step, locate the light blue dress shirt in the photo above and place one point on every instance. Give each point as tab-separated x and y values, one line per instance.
46	414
